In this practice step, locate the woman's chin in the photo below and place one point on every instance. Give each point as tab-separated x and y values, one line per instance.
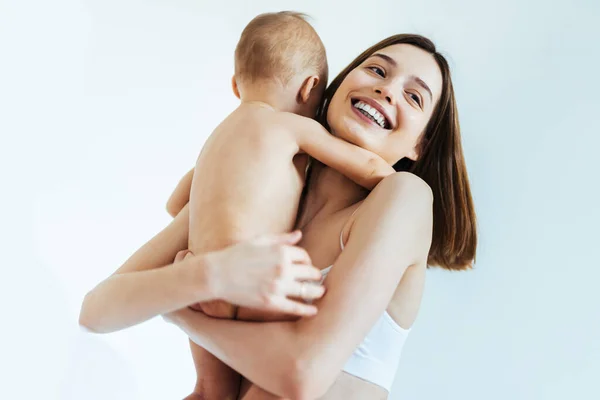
352	131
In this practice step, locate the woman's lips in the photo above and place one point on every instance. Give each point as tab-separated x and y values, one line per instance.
364	117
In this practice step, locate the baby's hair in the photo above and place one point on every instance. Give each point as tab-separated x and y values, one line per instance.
279	46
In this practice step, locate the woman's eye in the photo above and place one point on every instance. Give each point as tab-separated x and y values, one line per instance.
415	98
378	71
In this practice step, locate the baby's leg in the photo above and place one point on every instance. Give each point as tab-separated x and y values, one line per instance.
215	380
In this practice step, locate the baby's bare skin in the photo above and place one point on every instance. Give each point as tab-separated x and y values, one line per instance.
261	154
246	185
241	188
247	182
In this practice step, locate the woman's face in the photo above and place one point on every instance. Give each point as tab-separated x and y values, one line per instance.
384	104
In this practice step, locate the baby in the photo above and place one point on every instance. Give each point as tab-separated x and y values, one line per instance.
249	176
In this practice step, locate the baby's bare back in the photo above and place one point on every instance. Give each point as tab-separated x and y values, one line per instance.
247	181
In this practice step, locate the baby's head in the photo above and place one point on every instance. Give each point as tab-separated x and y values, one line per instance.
281	59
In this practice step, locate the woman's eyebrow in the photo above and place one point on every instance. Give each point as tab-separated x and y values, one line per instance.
393	62
422	83
386	58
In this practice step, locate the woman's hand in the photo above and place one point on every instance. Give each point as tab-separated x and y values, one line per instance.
262	273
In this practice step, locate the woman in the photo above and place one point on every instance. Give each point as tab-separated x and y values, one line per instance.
390	235
242	274
408	221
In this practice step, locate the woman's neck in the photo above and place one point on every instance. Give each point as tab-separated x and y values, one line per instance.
328	192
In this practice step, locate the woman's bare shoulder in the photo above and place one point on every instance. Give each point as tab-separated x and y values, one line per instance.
400	201
388	201
394	195
404	184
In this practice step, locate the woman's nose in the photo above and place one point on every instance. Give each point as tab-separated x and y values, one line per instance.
386	93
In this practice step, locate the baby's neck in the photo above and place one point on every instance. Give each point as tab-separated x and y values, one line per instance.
271	96
257	103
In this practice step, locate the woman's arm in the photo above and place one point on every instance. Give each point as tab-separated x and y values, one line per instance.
302	359
140	289
258	273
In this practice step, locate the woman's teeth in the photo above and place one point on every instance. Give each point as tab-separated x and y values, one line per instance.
371	113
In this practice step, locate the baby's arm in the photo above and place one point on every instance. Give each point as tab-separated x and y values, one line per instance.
181	194
360	165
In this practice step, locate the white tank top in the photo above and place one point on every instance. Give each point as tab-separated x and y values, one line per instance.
377	357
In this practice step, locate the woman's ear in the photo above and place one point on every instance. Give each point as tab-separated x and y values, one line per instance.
234	86
308	88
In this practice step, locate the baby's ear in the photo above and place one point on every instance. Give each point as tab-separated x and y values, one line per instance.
234	86
308	88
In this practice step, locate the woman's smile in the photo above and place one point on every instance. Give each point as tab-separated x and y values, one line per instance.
369	110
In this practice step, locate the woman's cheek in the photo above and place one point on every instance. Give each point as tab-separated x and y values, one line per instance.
413	118
410	121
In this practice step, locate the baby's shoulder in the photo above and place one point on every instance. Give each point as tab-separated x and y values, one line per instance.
301	127
266	120
284	124
293	121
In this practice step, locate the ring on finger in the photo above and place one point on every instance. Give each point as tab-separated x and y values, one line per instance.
303	289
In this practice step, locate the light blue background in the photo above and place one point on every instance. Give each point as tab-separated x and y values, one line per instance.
104	105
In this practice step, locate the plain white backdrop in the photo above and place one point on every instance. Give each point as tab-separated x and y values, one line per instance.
105	105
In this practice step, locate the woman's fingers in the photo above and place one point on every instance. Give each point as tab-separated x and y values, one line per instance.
288	238
293	307
303	272
306	290
296	255
267	270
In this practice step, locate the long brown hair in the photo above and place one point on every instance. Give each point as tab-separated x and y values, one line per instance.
440	163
